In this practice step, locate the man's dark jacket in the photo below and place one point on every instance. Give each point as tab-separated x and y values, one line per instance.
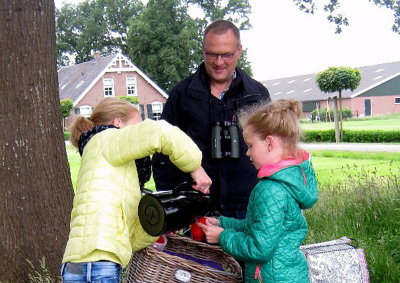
193	108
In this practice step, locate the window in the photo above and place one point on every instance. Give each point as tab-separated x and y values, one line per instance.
108	87
84	110
397	100
131	87
157	108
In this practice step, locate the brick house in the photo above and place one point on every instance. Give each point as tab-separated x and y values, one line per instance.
377	94
111	76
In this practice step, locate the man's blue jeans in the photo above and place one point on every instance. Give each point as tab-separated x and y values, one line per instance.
95	272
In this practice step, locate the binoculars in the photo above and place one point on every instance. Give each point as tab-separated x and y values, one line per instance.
225	140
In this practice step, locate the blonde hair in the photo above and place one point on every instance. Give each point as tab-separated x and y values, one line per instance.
280	118
103	114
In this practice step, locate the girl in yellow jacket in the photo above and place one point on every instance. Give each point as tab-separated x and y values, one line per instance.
105	227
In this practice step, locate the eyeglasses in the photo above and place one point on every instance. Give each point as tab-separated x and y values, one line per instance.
214	56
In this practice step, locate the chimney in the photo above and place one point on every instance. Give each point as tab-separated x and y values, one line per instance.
97	54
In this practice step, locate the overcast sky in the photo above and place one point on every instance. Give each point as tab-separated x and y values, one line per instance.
285	41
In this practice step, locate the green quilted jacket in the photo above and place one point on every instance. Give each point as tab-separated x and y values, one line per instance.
104	219
268	240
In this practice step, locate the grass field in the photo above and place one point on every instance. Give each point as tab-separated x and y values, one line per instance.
387	122
336	167
359	197
331	167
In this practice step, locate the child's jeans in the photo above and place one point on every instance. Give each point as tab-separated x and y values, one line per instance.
95	272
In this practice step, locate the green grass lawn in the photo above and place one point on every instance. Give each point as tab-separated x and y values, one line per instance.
359	197
331	167
388	122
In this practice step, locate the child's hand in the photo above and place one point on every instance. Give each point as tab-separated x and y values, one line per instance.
202	181
212	221
212	232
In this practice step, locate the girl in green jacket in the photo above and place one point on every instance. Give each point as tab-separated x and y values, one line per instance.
269	239
105	227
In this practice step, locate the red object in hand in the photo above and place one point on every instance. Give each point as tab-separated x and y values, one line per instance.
197	232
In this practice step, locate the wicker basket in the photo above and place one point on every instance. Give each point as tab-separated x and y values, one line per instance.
150	265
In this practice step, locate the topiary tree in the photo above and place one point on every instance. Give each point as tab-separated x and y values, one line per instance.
66	107
336	79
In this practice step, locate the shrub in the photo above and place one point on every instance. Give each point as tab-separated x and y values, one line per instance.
67	135
355	136
131	99
346	113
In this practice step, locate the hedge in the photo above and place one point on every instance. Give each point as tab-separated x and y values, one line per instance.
364	136
355	136
66	136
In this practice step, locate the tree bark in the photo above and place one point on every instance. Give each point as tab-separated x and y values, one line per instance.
335	117
35	183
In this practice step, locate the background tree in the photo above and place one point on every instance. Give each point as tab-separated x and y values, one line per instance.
35	183
98	25
164	41
236	11
332	6
336	79
66	107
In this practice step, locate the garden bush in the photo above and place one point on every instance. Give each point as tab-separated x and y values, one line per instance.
67	135
346	113
354	136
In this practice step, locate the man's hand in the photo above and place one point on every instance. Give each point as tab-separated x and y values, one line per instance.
202	181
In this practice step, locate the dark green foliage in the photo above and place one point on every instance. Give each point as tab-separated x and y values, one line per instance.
67	135
66	107
164	42
131	99
98	25
311	136
347	114
336	79
236	11
161	38
361	136
372	136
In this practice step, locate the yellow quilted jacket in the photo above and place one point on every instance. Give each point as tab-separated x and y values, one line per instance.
104	219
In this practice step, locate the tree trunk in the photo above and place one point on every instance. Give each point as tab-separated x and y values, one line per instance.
341	115
335	117
35	183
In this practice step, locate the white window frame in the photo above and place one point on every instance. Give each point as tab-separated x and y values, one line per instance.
85	110
157	108
131	86
396	98
108	87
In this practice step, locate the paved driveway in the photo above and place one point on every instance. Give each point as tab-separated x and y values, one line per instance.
352	146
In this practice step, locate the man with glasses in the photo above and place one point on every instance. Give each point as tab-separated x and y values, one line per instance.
205	106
